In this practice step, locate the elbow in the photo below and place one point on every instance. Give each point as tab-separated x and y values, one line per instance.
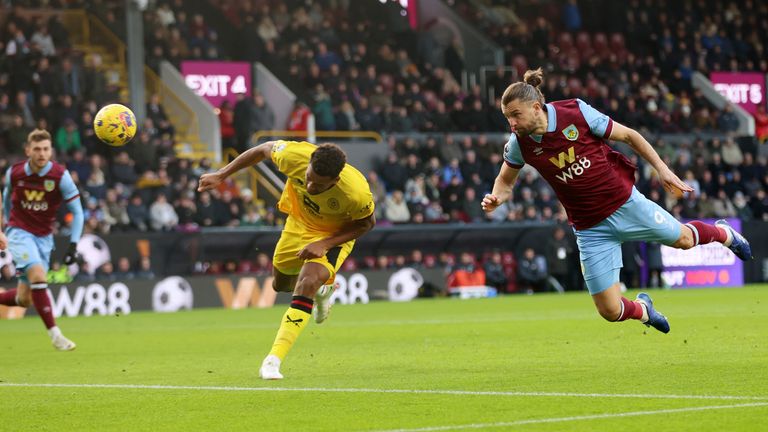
369	224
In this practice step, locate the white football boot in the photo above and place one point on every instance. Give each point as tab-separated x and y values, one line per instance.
323	302
61	343
270	368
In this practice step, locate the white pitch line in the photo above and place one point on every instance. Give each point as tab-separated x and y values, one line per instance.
575	418
383	391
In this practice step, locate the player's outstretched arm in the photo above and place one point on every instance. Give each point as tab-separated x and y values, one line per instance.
350	231
641	146
247	158
502	188
3	240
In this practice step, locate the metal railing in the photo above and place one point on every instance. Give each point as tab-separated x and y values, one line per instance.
371	135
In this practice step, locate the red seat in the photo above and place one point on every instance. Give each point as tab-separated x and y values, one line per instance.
583	41
600	44
617	42
575	85
520	63
565	41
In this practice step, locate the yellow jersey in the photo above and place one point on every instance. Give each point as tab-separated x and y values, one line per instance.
348	200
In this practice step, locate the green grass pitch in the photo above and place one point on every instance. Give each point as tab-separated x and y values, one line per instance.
527	363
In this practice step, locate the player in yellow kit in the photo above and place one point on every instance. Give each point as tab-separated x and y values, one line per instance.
329	205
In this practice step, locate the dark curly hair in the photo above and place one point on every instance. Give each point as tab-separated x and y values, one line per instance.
328	160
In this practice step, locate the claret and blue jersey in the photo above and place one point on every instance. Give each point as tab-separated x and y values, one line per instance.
590	179
30	204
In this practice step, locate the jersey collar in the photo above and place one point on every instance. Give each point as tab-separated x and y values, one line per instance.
551	122
42	172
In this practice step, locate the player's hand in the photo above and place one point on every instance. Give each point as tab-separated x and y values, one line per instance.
3	241
490	203
71	257
209	181
313	250
673	184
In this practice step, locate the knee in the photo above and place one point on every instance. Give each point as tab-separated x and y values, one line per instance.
308	285
685	241
609	312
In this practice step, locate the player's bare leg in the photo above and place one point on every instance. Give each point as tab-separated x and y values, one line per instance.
36	292
283	282
312	276
614	307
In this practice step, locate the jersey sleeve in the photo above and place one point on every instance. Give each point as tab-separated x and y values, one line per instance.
512	154
599	124
292	157
68	189
7	194
363	206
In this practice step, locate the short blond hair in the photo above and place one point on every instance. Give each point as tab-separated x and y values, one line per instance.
38	135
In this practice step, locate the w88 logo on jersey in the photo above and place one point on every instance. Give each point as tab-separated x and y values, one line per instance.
575	169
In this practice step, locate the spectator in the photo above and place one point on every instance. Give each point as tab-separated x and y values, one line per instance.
732	154
655	265
242	122
43	42
115	211
495	275
145	269
94	80
68	137
299	118
124	271
571	16
417	260
559	254
395	208
206	210
532	271
761	123
106	272
467	273
471	207
138	214
393	173
123	170
186	210
727	120
162	216
262	116
378	191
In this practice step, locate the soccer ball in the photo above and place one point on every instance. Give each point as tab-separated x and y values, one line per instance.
172	294
115	124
